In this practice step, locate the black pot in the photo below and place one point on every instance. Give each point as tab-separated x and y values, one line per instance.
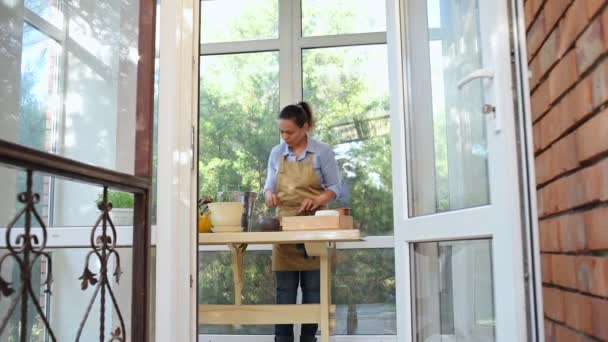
267	224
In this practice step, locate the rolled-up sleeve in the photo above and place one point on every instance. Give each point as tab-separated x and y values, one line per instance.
331	174
271	176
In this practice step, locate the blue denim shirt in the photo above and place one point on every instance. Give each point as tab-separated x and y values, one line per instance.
323	161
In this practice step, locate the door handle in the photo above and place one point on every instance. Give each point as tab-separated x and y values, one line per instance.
487	109
475	75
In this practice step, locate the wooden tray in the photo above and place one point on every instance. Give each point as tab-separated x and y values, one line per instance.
316	222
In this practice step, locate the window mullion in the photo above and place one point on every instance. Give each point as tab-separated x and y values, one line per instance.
296	51
58	128
43	25
285	53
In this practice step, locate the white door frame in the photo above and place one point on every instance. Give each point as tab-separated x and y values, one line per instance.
509	287
176	243
532	260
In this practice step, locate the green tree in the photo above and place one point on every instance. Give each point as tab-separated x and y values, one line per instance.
239	100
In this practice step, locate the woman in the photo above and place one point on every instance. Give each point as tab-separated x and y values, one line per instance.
302	177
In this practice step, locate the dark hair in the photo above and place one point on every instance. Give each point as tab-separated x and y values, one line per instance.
300	113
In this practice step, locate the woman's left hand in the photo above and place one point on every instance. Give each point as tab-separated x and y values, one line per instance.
309	204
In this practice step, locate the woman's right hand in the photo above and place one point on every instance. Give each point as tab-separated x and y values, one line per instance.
271	199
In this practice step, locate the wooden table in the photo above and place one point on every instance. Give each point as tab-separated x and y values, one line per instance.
317	242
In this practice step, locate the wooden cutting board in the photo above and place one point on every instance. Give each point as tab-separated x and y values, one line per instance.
316	222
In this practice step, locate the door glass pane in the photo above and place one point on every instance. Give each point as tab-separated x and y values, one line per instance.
448	149
331	17
236	20
72	92
239	102
453	286
348	90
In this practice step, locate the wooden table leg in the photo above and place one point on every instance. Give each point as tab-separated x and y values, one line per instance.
330	257
321	249
325	295
237	270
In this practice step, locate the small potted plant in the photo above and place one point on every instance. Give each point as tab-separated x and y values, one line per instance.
122	207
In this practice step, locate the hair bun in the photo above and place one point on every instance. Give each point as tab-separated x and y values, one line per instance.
308	111
301	113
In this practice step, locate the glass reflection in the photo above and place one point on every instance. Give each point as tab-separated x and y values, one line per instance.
69	88
448	147
74	92
454	298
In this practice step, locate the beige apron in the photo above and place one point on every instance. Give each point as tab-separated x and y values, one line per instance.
296	181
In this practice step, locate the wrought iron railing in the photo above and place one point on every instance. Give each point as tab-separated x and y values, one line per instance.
25	246
25	249
103	248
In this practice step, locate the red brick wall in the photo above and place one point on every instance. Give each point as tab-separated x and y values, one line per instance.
567	54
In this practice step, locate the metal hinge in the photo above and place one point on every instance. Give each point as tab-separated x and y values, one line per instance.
191	281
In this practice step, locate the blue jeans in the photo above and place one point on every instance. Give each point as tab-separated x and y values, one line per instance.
287	290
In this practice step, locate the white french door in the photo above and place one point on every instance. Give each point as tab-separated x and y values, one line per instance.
458	244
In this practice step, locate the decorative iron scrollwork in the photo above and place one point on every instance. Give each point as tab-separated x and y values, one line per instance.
25	249
103	248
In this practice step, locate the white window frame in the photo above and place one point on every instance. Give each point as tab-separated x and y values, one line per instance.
290	45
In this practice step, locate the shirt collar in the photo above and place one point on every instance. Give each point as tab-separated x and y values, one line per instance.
312	147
